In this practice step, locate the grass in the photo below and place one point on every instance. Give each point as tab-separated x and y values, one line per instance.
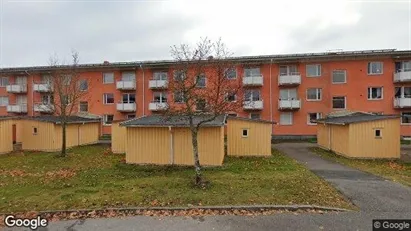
391	169
92	177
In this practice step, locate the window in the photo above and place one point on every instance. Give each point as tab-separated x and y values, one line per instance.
129	98
405	117
65	100
339	102
339	76
4	101
46	79
313	116
314	94
160	76
403	66
252	72
375	68
108	119
83	85
131	116
178	97
377	133
286	118
252	95
66	79
402	92
4	81
245	133
108	98
201	81
231	73
288	70
83	106
255	116
179	75
160	97
375	93
35	131
128	76
313	70
232	114
201	105
231	97
288	94
108	77
47	99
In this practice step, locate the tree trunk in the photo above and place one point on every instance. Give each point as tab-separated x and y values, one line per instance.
197	167
63	143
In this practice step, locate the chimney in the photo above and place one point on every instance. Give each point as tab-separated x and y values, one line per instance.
106	62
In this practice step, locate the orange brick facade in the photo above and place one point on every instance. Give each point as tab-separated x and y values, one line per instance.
355	88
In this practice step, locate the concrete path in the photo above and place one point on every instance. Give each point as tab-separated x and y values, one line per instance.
369	192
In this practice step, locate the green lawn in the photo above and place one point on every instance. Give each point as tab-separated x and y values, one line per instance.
390	169
92	177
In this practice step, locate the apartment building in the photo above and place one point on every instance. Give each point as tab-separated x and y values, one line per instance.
290	89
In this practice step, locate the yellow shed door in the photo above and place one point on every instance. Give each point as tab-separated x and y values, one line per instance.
183	152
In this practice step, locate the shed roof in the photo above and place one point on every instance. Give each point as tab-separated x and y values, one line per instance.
251	120
173	121
7	117
356	117
57	120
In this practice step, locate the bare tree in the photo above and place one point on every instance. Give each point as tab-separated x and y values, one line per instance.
68	90
205	86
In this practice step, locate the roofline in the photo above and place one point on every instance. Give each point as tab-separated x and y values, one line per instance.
280	58
250	120
166	126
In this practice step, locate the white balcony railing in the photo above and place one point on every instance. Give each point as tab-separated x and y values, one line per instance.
253	80
157	106
16	88
253	105
402	102
402	76
126	85
44	108
157	84
291	79
43	87
289	104
17	108
127	107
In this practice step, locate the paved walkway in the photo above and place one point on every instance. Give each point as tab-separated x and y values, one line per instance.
369	192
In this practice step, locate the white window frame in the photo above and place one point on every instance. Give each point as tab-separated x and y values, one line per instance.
105	120
253	92
160	75
128	97
125	76
229	69
205	81
317	66
133	116
289	70
104	79
230	94
369	93
289	94
375	131
246	130
318	116
291	118
317	90
105	98
252	71
345	76
162	94
79	106
408	124
345	103
80	84
179	73
3	82
370	69
3	102
255	113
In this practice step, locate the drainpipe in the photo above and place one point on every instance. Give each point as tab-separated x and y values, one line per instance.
144	93
271	103
171	146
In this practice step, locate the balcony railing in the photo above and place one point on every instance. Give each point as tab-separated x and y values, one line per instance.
402	76
154	83
289	79
126	107
402	102
17	108
16	88
253	105
158	106
253	80
289	104
126	85
43	87
44	108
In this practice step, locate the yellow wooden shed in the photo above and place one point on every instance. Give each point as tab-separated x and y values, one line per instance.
118	138
248	137
361	135
44	133
162	140
6	134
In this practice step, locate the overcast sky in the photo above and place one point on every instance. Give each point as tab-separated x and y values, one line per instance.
32	31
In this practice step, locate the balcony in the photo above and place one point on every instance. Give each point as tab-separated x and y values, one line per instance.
253	105
43	108
402	76
126	107
288	80
16	88
17	108
157	84
253	80
289	104
43	87
402	102
157	106
126	85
